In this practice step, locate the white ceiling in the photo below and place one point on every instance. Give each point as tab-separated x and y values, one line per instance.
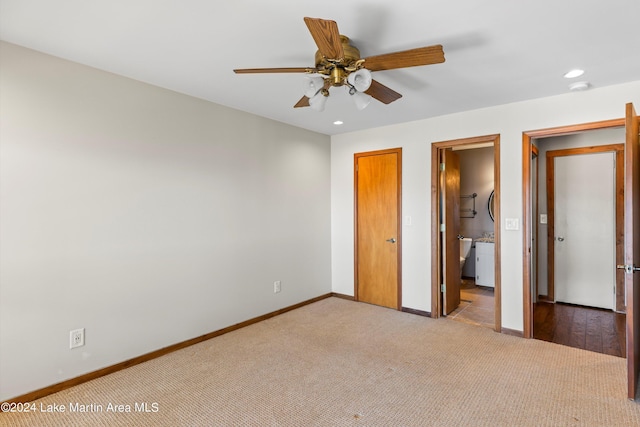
497	51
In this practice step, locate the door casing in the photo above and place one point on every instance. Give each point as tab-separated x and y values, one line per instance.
436	248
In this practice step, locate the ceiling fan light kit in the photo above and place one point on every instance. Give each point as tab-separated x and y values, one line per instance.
362	100
313	85
319	100
360	80
338	63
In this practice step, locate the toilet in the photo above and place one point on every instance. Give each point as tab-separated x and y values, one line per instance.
465	248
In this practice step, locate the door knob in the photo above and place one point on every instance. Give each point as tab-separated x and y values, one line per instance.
629	269
391	240
560	239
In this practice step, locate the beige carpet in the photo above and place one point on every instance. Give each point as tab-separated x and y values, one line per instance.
341	363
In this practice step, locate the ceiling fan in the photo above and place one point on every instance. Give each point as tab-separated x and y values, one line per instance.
338	63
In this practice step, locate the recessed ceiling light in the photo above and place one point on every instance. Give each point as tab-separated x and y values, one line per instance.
573	74
578	86
338	122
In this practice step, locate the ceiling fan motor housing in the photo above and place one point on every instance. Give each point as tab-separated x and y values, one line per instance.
339	68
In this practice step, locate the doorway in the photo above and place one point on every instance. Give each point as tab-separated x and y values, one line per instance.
378	239
542	288
631	221
444	260
580	234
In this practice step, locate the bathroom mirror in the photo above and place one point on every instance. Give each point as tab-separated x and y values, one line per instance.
491	206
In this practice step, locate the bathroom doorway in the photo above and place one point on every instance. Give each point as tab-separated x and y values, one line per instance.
477	240
477	279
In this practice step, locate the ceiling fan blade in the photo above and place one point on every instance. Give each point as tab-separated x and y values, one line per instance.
304	102
408	58
325	34
382	93
275	70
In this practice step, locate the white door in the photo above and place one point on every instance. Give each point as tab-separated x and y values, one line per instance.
585	229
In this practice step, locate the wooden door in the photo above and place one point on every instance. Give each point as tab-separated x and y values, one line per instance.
378	177
533	183
632	247
583	222
450	182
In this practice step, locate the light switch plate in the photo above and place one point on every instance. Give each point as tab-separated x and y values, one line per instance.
543	218
511	224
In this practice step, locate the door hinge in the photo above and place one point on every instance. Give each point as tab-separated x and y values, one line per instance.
442	288
441	166
442	228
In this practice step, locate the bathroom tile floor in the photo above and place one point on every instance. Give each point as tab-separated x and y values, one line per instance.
476	305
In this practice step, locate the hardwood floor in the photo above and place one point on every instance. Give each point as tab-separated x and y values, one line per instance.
602	331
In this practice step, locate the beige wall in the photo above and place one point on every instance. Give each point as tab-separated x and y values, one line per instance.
143	215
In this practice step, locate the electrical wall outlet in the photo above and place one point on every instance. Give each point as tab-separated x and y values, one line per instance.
76	338
276	287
